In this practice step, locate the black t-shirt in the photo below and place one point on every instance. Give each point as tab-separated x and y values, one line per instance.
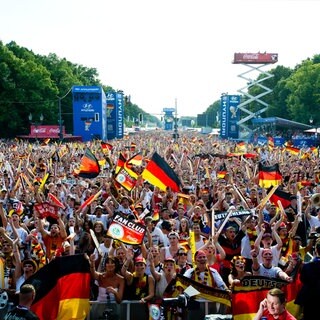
20	313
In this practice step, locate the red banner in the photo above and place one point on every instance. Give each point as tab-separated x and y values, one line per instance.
126	231
46	209
45	131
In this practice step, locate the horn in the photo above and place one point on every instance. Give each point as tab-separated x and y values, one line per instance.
315	200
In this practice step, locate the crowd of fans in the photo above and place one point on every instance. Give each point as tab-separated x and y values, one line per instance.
186	238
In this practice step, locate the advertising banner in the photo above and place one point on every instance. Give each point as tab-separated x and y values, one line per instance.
229	116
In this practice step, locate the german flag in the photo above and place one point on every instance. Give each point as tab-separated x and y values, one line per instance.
133	146
270	143
282	196
241	147
160	174
121	161
292	150
135	160
247	296
62	289
45	142
206	292
106	147
125	179
269	175
89	166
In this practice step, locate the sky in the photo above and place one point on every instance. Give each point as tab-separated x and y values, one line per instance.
169	53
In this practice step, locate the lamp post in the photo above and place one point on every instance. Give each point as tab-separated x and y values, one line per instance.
311	124
60	120
36	124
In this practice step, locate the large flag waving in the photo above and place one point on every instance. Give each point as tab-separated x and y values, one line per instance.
282	196
160	174
62	289
89	166
269	175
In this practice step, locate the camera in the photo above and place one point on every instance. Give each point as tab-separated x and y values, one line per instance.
313	235
181	301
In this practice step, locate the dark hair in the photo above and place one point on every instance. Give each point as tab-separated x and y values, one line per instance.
275	292
116	261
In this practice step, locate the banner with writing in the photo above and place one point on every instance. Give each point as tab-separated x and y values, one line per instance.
126	230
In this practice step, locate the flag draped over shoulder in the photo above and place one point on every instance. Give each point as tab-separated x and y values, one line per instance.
282	196
62	289
269	175
89	166
160	174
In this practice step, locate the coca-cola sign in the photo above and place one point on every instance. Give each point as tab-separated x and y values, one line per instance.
45	131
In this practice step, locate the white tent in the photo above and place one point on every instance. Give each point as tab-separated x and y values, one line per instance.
313	130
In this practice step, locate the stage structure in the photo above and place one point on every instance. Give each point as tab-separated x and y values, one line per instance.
255	62
169	118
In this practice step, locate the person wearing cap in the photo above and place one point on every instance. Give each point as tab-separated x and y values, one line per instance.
266	269
24	269
274	307
163	277
172	249
267	239
139	285
98	215
123	207
204	274
22	311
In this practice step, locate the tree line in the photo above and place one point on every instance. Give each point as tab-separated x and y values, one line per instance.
35	84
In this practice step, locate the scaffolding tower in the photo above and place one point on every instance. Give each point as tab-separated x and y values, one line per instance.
255	62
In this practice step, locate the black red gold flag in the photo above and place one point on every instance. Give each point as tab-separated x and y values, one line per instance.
89	166
62	289
269	175
160	174
282	196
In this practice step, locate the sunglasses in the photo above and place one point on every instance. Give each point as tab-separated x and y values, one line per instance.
183	254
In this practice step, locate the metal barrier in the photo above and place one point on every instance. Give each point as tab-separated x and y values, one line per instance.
133	310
